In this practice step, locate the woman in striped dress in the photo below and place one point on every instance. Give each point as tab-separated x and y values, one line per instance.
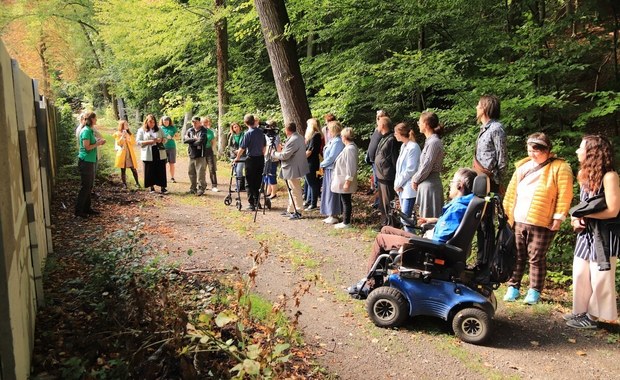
594	291
426	180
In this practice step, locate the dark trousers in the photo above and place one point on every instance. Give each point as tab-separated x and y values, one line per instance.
254	166
211	165
347	207
386	195
313	189
87	180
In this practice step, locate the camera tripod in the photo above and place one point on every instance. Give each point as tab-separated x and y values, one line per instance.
266	170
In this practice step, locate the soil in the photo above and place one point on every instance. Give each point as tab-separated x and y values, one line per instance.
527	342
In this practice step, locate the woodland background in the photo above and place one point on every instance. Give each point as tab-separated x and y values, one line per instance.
553	63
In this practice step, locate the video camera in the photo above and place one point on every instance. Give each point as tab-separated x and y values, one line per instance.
270	128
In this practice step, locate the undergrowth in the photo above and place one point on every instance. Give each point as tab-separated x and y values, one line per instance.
135	317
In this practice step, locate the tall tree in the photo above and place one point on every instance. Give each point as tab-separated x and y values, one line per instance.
282	52
221	48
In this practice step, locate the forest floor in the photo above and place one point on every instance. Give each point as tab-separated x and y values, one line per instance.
528	342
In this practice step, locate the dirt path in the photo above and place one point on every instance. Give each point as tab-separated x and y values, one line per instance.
528	342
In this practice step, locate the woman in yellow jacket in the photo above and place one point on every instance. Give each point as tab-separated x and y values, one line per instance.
537	201
124	142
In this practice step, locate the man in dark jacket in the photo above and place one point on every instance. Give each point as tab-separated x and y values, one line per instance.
385	166
195	138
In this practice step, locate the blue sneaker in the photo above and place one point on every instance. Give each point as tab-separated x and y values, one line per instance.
532	297
512	294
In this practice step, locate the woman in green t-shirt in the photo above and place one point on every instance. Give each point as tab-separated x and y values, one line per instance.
170	132
87	158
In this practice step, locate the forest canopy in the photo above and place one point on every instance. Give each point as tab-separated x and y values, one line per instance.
553	63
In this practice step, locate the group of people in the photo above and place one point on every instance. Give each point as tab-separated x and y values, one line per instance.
537	198
537	201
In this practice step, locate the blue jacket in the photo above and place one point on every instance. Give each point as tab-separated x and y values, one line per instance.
406	167
331	152
451	216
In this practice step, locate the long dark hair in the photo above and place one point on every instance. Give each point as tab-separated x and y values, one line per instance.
432	120
599	159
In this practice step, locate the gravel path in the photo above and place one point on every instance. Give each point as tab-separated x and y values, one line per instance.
528	342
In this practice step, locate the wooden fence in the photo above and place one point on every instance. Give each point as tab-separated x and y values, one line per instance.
27	168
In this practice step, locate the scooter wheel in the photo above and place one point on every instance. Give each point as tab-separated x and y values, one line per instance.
268	203
228	200
472	325
387	307
238	204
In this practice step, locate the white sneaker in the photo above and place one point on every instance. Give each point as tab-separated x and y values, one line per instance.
342	225
214	189
330	220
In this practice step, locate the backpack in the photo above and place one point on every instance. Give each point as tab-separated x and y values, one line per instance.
504	256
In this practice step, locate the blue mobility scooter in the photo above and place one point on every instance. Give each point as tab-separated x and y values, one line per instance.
432	279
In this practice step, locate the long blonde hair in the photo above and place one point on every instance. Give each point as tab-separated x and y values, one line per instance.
312	127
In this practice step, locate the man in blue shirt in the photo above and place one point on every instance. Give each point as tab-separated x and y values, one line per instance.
254	144
445	226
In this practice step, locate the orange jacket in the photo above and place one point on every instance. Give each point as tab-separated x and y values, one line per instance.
552	197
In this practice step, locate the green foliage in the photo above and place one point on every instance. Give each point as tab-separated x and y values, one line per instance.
65	132
258	354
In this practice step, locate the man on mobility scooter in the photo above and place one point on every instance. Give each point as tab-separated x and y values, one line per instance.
432	278
391	238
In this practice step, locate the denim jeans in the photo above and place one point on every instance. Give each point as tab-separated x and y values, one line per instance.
406	206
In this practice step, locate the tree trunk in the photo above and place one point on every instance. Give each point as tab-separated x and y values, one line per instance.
104	86
45	83
310	47
221	41
284	63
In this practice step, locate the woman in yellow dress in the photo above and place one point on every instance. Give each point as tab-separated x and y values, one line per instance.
125	154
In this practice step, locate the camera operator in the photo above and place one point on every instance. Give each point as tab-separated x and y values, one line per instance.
254	143
294	166
272	139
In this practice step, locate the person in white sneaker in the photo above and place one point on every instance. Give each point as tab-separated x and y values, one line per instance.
294	166
209	151
594	264
344	176
330	201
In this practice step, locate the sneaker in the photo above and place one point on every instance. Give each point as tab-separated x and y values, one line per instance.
286	213
353	289
200	192
250	208
532	297
512	294
173	180
570	316
214	189
152	190
582	321
164	190
330	220
295	216
192	192
341	225
310	208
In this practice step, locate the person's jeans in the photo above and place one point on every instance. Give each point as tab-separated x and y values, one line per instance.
197	173
347	207
253	174
87	179
406	206
210	157
314	188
